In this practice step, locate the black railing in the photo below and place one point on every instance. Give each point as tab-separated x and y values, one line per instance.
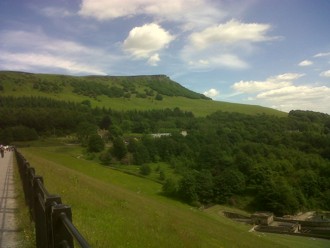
53	220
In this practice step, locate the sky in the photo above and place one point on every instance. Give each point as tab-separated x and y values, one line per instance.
273	53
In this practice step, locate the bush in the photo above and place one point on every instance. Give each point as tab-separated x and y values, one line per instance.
105	157
145	170
95	143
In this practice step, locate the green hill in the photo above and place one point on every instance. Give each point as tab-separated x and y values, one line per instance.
120	92
114	209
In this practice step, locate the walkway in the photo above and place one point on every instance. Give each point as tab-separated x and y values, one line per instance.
8	207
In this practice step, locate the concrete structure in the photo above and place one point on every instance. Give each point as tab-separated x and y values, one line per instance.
262	218
8	207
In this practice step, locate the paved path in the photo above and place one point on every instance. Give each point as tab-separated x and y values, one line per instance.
8	207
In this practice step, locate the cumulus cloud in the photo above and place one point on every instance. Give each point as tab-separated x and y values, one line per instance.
281	92
219	46
305	63
304	97
154	59
191	13
325	73
144	42
211	93
229	33
274	82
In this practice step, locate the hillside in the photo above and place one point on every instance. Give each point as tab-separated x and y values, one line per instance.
113	209
120	92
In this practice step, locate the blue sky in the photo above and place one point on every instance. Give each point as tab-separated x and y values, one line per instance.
266	52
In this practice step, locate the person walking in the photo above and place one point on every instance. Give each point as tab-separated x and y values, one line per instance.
2	151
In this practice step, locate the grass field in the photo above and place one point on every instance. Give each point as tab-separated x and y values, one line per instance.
115	209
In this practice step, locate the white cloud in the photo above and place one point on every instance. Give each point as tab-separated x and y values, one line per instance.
21	50
154	59
281	92
219	46
325	73
274	82
211	61
211	93
40	42
191	13
56	12
316	98
229	33
29	61
305	63
321	55
145	41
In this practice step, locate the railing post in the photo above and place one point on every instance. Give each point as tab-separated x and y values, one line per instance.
29	175
53	220
39	214
61	236
49	202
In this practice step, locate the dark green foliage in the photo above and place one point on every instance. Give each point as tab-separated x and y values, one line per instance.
105	157
281	164
163	85
141	154
277	196
162	176
17	133
119	149
145	169
187	189
48	86
84	131
228	183
159	97
95	143
92	89
170	187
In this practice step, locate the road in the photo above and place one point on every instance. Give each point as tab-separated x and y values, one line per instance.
8	206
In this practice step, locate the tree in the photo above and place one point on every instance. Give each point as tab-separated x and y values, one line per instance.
145	169
162	175
278	197
187	189
105	157
158	97
204	186
85	130
170	187
105	122
141	154
95	143
228	183
119	149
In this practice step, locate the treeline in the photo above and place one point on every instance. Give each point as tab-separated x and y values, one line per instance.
258	162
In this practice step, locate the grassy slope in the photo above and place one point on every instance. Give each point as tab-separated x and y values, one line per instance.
199	107
113	209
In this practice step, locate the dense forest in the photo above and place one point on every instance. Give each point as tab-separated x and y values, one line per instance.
261	162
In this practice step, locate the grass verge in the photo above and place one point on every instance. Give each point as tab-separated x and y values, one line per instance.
27	235
114	209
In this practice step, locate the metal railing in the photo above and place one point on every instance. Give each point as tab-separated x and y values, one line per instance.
53	220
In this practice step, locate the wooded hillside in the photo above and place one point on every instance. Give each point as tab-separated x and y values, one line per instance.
256	162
